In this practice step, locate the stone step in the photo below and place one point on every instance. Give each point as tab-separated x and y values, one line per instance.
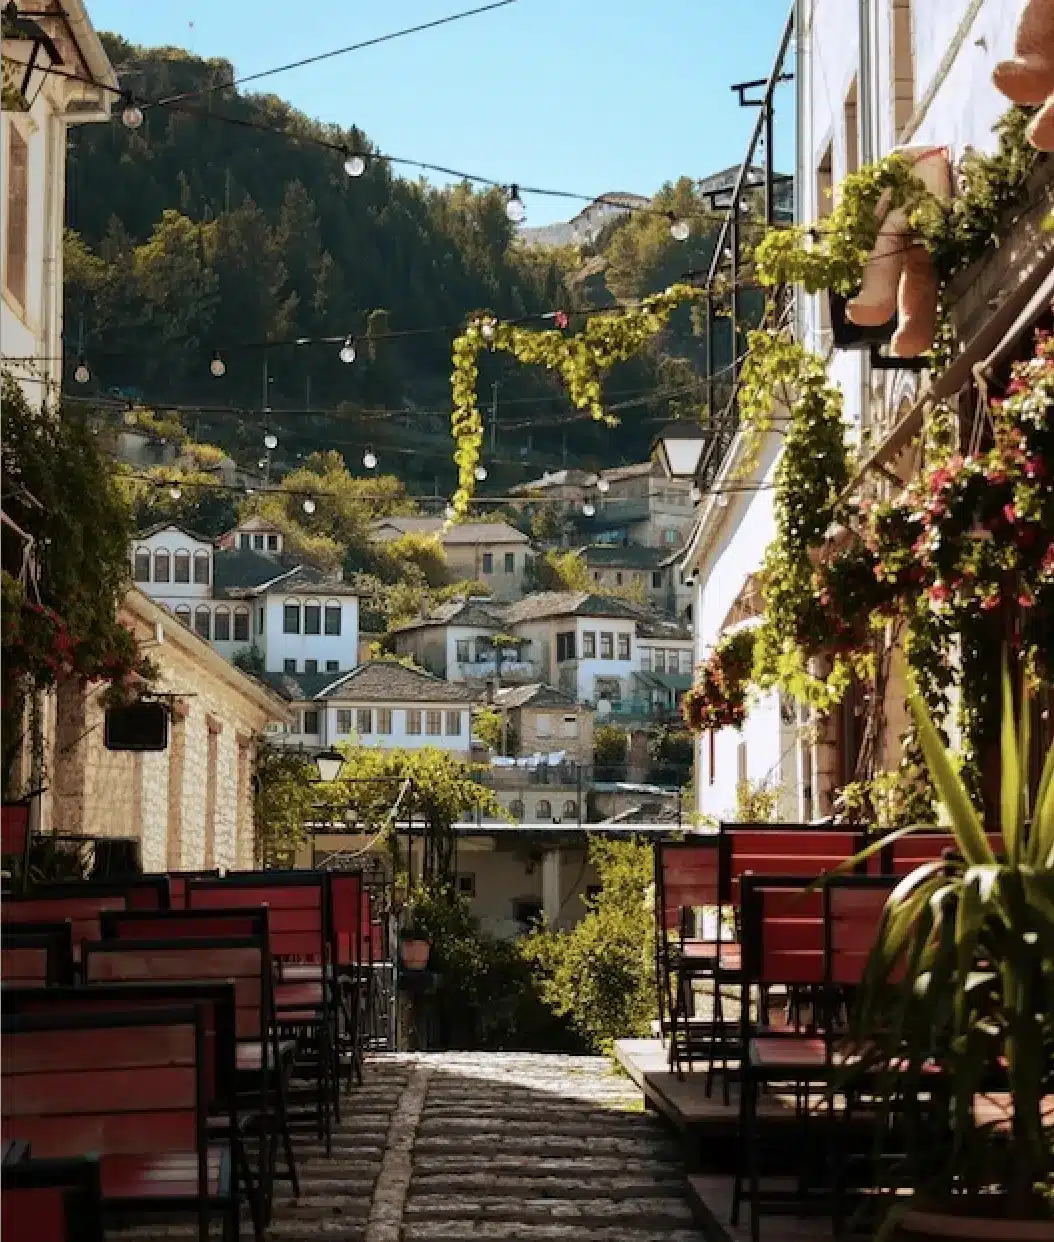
502	1231
450	1166
542	1143
571	1183
672	1212
486	1127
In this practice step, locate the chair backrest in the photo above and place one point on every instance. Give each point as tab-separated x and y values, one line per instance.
295	901
345	917
215	999
113	1084
853	908
14	832
51	1201
911	851
177	885
807	852
686	878
141	892
183	924
83	911
782	930
39	954
240	960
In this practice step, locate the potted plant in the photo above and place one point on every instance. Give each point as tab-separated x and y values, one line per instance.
960	981
414	944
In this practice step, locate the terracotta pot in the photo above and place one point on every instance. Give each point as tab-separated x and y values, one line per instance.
920	1224
414	953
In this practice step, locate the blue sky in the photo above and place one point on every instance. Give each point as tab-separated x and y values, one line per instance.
585	95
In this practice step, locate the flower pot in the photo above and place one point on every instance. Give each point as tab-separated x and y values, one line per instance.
924	1225
414	953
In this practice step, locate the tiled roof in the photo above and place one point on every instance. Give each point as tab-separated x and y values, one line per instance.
637	470
565	604
237	570
555	478
459	533
535	695
386	681
619	556
308	581
469	612
299	687
183	530
254	523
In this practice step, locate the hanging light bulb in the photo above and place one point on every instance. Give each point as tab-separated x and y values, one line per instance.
131	114
450	513
347	350
175	491
695	495
488	329
603	485
680	230
82	375
514	208
589	509
217	366
309	505
369	459
480	473
130	418
270	441
261	463
354	164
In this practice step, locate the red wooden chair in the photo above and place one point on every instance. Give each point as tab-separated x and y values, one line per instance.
906	853
36	954
184	924
15	838
177	885
141	892
82	911
131	1088
51	1201
346	948
262	1062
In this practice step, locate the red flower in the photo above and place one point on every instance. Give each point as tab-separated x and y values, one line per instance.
561	319
940	593
1010	513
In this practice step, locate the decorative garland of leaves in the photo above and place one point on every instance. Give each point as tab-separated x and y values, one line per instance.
718	699
581	360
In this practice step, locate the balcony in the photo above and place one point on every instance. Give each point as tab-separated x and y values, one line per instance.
567	775
514	672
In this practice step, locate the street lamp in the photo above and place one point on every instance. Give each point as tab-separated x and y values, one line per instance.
680	447
330	764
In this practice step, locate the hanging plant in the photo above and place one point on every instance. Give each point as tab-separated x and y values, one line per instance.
718	699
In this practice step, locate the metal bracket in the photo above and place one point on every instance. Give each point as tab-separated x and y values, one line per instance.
742	87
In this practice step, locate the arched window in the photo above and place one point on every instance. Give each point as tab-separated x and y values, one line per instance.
183	614
182	566
571	808
221	626
141	565
545	809
291	617
203	623
162	565
516	808
312	617
201	568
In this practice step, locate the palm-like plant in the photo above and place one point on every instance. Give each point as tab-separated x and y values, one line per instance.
961	981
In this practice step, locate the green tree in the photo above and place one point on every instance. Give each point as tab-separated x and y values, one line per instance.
486	725
610	747
558	571
285	789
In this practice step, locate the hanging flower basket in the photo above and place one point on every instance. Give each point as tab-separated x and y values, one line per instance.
718	700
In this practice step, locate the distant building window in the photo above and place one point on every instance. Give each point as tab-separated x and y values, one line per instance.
201	568
344	720
203	623
544	809
453	724
571	808
618	577
364	721
670	535
272	543
596	575
466	885
656	580
589	645
141	565
463	650
312	619
310	666
434	723
527	911
645	659
332	618
244	540
542	726
162	566
16	243
259	620
510	562
311	723
241	625
183	614
569	726
332	666
516	808
258	542
660	660
413	722
565	646
384	720
488	562
182	567
289	666
222	625
623	646
291	619
607	646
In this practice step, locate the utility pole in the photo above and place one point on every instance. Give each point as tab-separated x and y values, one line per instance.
494	417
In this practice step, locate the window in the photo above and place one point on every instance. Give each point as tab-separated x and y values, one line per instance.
670	535
332	666
312	619
618	577
571	808
488	562
542	726
222	625
244	540
16	244
544	809
569	726
311	722
565	646
291	619
660	660
466	885
332	618
463	650
609	688
645	659
258	542
453	724
201	568
310	666
413	722
344	720
162	566
623	646
384	720
607	646
656	580
289	666
203	623
593	891
510	562
241	625
183	614
596	575
364	721
433	723
516	808
259	620
589	645
182	567
272	543
141	565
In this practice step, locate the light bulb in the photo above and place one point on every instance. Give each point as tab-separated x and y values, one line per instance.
488	329
603	485
514	208
347	350
680	230
130	418
589	509
695	495
175	492
309	505
82	375
450	513
722	502
261	463
270	441
217	366
132	115
369	459
355	165
480	473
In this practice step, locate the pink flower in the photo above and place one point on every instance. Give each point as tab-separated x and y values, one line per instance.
561	319
1010	513
1026	599
1034	468
940	593
988	602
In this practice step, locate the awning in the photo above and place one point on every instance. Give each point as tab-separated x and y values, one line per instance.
677	682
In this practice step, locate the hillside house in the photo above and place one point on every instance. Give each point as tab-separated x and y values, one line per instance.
490	552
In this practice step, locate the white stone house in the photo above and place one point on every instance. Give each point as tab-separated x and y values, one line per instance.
456	641
33	141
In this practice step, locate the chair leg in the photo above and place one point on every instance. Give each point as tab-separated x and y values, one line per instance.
750	1086
282	1131
243	1172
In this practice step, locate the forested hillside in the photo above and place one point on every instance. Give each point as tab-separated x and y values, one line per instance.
192	237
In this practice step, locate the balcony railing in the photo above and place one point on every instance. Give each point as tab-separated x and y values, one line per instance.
511	670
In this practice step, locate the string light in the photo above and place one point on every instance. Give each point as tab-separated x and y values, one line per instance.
514	208
82	375
175	491
309	505
450	513
270	441
589	509
480	473
354	164
261	463
603	486
680	230
131	114
347	350
369	459
217	366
